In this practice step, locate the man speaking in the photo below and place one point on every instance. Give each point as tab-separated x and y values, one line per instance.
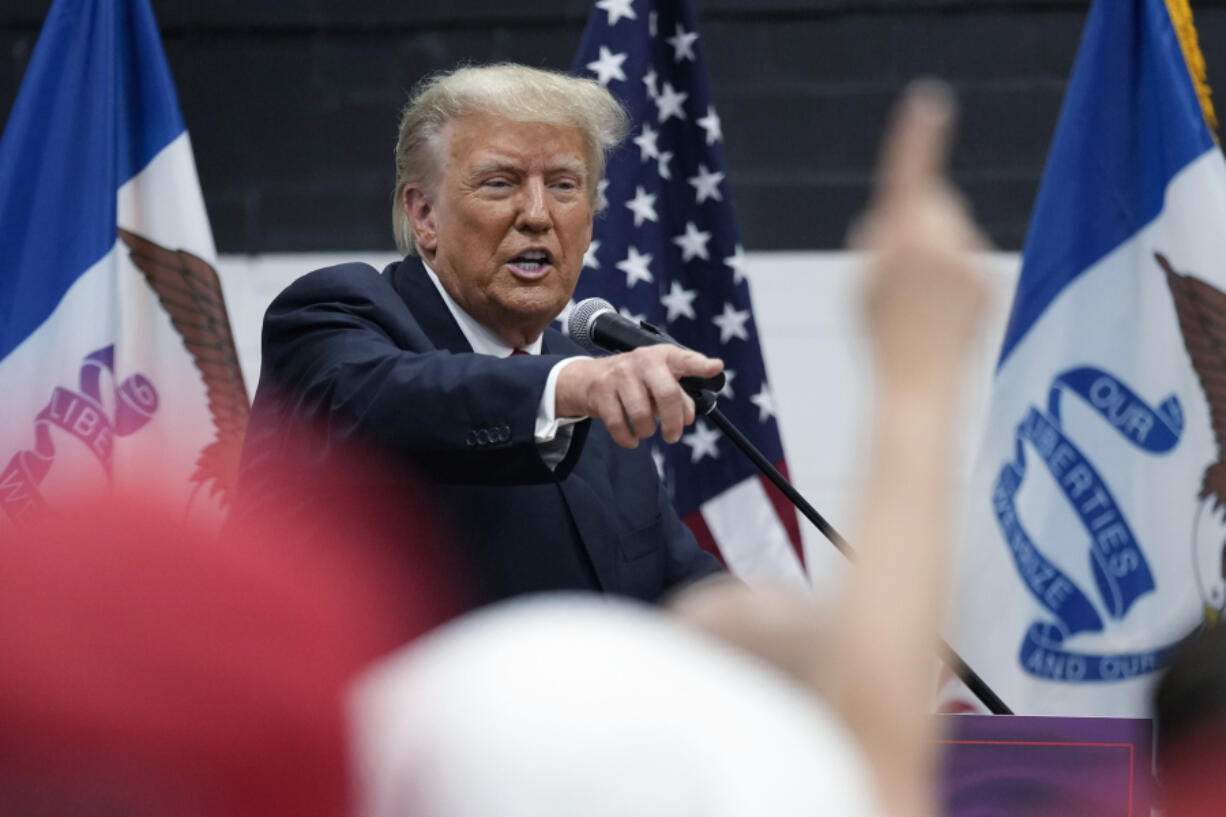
446	364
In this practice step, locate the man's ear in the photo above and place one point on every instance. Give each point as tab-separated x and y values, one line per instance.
420	211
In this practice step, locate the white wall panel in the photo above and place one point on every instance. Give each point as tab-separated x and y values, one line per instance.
817	357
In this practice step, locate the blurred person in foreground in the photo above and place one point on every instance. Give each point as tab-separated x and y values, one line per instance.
1190	717
149	668
570	706
446	364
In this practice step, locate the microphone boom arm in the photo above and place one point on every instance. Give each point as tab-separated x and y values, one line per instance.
704	403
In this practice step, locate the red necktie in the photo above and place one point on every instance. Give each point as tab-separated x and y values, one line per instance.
515	352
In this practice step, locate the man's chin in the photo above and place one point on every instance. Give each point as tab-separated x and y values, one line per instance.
539	312
523	326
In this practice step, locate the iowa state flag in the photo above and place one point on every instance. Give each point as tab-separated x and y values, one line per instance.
1096	531
115	353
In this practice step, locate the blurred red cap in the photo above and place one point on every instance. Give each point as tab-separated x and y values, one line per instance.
149	666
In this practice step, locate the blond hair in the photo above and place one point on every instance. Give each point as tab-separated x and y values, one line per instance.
516	92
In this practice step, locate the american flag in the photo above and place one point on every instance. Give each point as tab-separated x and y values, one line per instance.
666	250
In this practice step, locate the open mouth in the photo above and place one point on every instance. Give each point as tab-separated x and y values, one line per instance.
531	261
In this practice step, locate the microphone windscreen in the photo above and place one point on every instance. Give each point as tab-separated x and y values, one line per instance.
579	324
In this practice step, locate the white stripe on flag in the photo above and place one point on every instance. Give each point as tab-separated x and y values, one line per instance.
750	536
112	304
164	204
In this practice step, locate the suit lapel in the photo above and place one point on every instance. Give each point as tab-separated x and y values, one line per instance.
576	490
554	342
413	285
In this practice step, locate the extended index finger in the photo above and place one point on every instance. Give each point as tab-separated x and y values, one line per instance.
916	146
686	362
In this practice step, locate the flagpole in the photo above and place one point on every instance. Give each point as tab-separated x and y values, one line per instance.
705	402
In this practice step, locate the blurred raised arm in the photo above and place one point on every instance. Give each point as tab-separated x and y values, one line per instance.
871	656
924	298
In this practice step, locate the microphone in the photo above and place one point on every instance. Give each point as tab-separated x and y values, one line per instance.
595	325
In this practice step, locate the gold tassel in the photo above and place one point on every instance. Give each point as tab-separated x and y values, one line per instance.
1181	16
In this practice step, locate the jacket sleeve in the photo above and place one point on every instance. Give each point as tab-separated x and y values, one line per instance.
341	350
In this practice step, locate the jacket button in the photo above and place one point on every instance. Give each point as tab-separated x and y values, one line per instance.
483	436
471	439
504	434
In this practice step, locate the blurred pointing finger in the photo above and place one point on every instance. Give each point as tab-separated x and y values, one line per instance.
917	143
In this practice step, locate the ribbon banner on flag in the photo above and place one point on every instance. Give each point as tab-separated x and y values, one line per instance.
665	250
116	356
1095	538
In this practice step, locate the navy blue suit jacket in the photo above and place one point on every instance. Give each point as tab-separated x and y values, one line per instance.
379	360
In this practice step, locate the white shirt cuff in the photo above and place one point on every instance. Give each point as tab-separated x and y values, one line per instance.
553	433
547	423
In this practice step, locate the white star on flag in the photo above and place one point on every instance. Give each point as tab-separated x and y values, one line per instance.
726	391
617	9
669	103
736	262
602	201
679	302
589	257
683	44
693	242
765	402
626	313
662	165
643	205
648	149
651	23
608	67
731	323
710	123
702	442
706	184
635	267
649	79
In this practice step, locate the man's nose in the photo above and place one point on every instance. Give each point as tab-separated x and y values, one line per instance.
534	213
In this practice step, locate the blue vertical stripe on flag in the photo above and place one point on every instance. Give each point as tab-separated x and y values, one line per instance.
1130	122
95	106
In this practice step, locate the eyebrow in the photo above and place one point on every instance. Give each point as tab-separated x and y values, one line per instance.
499	163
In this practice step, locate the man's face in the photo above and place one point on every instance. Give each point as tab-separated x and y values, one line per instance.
508	221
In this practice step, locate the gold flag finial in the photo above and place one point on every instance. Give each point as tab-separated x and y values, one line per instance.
1181	16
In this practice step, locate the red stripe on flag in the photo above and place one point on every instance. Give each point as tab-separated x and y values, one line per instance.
785	511
698	526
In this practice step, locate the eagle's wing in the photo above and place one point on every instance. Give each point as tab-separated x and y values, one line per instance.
1201	308
189	290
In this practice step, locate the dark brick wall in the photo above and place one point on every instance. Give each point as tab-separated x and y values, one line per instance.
292	104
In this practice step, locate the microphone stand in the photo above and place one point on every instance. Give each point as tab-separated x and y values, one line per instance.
704	403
